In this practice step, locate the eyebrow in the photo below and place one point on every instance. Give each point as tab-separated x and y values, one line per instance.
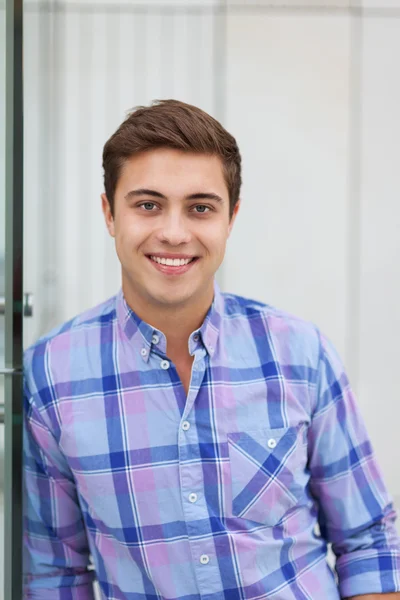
155	194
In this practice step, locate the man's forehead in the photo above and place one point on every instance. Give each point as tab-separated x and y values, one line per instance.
172	156
166	170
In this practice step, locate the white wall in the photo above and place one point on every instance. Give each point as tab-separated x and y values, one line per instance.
312	95
288	106
379	275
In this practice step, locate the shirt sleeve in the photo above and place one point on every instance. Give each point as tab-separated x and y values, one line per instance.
56	553
356	513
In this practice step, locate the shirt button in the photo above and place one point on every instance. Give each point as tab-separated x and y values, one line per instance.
317	531
193	497
164	364
185	425
272	443
204	559
143	352
155	339
196	338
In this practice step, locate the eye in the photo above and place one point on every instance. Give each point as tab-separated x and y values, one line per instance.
202	211
147	204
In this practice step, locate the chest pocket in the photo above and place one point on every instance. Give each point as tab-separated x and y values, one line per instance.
267	469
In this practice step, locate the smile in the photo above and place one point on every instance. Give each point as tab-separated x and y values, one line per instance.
175	266
172	262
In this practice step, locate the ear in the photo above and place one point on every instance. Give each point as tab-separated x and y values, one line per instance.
235	212
109	219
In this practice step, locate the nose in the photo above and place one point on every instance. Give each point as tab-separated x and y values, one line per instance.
174	229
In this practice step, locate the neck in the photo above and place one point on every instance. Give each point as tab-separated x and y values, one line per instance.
176	322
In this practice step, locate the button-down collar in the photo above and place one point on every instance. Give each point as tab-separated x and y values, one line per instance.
141	333
138	331
209	331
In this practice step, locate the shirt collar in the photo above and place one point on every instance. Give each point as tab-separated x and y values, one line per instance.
143	336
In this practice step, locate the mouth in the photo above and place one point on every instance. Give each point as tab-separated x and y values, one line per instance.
172	267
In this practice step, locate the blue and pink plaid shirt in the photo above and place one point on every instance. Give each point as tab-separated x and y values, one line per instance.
230	493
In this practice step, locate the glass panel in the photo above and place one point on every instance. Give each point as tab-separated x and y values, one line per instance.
2	173
1	496
2	276
11	289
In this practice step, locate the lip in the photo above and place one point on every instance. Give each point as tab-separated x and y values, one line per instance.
168	270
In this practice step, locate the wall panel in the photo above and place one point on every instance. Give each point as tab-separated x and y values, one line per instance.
380	240
288	105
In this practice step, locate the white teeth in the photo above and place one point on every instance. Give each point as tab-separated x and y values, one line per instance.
172	262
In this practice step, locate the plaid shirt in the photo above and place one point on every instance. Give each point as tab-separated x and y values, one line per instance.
230	493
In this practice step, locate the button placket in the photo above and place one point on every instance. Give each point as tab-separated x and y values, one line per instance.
195	509
194	506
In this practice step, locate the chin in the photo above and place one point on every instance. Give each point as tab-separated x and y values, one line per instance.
171	297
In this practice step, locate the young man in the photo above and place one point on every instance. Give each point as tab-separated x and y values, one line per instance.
196	444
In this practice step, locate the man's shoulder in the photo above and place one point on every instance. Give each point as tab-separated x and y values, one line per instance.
76	328
291	338
237	306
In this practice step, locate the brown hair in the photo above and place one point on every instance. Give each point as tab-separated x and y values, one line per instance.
171	124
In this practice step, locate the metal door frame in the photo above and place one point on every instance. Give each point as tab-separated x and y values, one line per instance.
13	498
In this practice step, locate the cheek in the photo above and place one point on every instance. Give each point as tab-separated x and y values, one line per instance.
129	233
215	238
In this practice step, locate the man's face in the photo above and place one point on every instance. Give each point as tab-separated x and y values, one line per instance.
176	204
